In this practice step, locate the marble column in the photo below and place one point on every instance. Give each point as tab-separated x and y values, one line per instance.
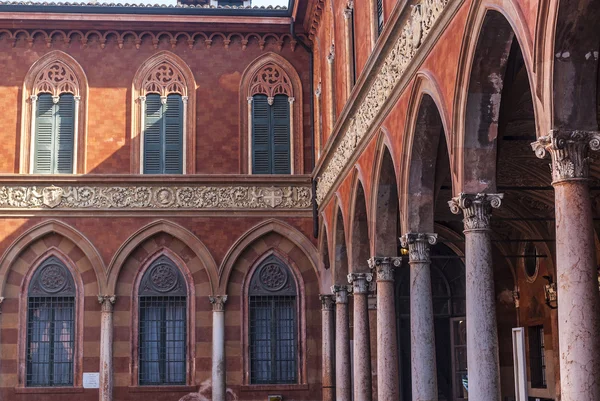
328	347
482	331
219	391
578	297
343	388
422	337
362	340
106	347
388	386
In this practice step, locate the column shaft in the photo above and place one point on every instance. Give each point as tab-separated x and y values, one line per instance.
343	388
106	352
328	348
387	342
219	391
482	332
363	389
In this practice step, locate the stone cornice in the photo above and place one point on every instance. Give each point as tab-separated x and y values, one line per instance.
387	69
169	195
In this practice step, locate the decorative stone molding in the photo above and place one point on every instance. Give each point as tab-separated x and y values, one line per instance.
218	302
384	267
327	301
395	62
271	80
477	209
56	78
360	282
418	245
569	152
164	79
154	197
107	302
341	293
56	38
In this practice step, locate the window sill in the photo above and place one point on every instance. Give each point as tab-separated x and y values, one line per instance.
159	389
274	387
48	390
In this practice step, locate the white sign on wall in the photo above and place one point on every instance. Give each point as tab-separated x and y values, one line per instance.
91	380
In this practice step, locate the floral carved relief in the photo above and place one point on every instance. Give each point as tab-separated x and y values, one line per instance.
56	78
271	80
165	79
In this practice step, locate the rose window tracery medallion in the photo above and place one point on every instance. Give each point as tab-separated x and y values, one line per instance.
271	80
273	277
163	277
165	79
53	278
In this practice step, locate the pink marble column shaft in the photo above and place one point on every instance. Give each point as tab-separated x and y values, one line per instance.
106	343
577	283
328	347
482	331
422	334
387	361
343	388
363	389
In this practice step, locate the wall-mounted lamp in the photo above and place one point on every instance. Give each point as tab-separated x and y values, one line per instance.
403	251
275	398
550	293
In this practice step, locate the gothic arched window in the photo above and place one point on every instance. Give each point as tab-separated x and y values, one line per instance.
50	326
273	324
162	314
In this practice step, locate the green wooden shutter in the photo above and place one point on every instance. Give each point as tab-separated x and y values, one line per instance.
65	129
173	149
153	135
280	128
261	160
44	134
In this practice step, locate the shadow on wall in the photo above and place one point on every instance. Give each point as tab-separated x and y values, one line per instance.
205	393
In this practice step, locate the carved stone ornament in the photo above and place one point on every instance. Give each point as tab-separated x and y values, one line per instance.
418	245
163	277
341	293
395	62
272	277
327	301
164	79
569	152
476	208
56	78
218	302
360	282
384	267
149	197
52	278
107	302
271	80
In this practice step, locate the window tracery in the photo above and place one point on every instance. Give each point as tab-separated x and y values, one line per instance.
165	79
56	78
271	80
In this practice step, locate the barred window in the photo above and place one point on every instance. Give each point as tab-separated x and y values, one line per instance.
162	325
50	326
273	324
537	358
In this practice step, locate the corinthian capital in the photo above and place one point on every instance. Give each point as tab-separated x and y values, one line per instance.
476	208
418	245
384	267
327	301
569	152
360	282
341	293
107	302
218	302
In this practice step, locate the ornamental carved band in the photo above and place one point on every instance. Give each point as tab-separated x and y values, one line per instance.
218	302
341	293
569	152
360	282
384	267
147	197
418	245
395	62
327	301
476	208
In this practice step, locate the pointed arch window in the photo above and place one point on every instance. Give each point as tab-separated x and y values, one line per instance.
162	331
273	324
164	94
55	88
50	326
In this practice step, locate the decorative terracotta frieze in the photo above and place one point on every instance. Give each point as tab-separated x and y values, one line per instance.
132	197
395	62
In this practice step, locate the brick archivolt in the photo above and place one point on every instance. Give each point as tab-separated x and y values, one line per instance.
139	39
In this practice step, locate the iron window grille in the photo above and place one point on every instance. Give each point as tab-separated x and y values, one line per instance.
379	17
537	358
273	324
50	326
162	334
